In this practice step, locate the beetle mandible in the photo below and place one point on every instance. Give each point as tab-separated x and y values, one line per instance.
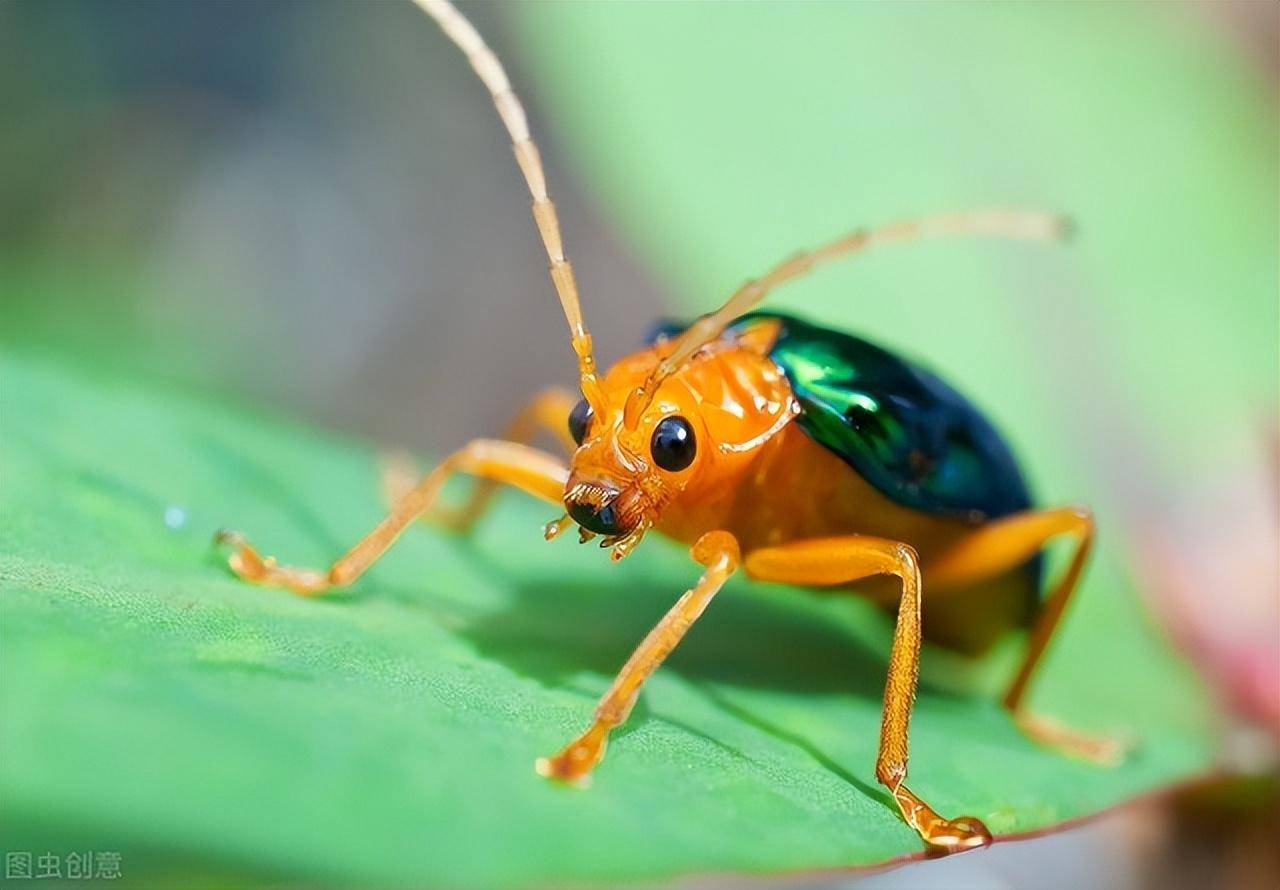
779	449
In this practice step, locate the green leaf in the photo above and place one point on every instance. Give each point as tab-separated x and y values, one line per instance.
154	706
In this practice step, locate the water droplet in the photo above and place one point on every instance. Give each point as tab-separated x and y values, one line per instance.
175	517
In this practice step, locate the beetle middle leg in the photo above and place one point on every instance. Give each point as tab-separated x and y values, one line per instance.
547	412
1003	545
831	561
510	463
718	552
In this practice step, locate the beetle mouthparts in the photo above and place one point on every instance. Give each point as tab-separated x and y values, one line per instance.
602	521
590	494
592	506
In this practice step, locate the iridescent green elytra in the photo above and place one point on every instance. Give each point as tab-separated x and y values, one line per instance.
914	438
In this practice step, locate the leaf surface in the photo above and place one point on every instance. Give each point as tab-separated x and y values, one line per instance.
154	706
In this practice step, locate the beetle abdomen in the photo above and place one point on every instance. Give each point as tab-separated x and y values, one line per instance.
925	466
914	438
904	430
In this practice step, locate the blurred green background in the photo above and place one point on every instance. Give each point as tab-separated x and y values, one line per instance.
311	207
300	203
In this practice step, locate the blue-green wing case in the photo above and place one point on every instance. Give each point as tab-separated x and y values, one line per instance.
913	437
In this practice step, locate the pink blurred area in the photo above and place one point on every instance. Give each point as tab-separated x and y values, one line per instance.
1215	583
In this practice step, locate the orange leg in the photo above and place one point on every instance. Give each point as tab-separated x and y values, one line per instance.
830	561
547	412
718	552
1000	547
518	465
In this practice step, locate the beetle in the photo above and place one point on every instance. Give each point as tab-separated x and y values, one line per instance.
779	449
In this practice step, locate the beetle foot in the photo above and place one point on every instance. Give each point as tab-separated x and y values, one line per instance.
1098	750
251	566
943	836
574	763
954	835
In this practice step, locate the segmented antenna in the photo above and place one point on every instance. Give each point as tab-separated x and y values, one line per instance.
494	77
1022	224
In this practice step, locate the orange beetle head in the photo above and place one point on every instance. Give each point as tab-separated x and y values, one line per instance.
701	424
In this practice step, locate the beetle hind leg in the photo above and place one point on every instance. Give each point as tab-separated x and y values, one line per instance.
999	547
1095	749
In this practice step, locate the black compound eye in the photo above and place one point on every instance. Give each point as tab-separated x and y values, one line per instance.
579	420
673	445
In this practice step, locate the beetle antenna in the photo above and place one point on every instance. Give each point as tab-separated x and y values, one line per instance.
494	77
1027	225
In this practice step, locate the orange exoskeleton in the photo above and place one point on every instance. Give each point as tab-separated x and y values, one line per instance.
771	446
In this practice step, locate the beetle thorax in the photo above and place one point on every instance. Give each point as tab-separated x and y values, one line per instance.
700	433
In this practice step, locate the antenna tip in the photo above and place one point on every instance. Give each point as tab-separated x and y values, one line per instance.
1065	228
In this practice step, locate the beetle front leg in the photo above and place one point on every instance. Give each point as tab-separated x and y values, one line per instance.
547	412
718	552
831	561
510	463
